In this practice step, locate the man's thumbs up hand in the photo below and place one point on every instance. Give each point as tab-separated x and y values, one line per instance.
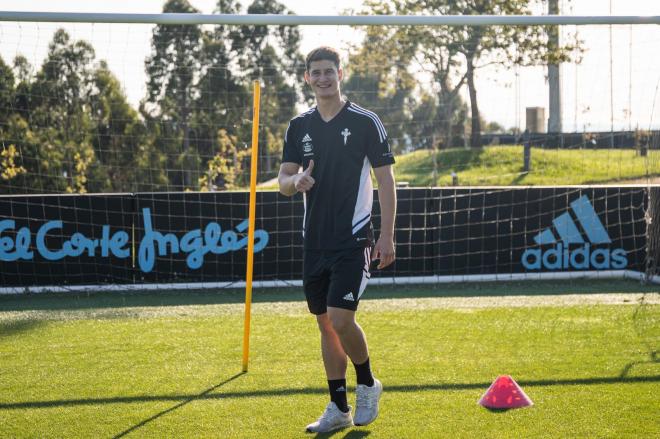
309	169
304	181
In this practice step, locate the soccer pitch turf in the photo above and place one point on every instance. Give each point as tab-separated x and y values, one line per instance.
168	364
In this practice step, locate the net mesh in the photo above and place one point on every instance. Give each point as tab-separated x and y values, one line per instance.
160	118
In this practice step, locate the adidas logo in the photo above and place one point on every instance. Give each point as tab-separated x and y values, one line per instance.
341	389
573	251
349	296
307	138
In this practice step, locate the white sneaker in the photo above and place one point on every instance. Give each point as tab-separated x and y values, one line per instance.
366	406
331	419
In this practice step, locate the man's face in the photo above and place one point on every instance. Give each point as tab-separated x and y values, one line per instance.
324	78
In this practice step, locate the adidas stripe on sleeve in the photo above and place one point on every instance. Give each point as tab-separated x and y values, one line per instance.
291	154
378	147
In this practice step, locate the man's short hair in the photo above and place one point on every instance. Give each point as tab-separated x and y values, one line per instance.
323	53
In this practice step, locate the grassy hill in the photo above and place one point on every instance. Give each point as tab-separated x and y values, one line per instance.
503	165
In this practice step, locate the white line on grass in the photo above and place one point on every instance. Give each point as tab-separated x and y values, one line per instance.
299	308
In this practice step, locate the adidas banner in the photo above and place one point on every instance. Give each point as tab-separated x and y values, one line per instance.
500	231
202	237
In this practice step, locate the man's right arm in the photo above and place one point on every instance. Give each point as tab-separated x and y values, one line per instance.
288	172
292	181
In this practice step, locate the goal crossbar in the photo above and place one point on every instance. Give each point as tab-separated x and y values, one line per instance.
291	20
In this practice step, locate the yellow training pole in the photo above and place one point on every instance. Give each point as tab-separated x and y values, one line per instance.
251	219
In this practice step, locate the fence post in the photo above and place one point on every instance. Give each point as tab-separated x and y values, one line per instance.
653	233
527	151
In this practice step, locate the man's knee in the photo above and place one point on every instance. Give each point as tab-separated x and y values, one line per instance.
342	321
325	325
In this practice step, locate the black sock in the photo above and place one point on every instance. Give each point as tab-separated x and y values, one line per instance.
338	394
363	372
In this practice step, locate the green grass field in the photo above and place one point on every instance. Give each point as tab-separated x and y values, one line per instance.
168	364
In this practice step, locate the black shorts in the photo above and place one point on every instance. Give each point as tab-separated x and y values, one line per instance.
335	278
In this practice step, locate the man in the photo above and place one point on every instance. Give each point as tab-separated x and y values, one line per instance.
337	143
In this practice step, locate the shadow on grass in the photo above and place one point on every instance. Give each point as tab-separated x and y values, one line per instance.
645	320
14	327
492	410
353	434
78	301
520	177
653	359
403	388
177	406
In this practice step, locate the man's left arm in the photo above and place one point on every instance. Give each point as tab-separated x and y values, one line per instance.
384	249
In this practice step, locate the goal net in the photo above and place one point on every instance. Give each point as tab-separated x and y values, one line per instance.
125	149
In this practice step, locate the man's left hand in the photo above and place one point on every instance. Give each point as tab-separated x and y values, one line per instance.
384	251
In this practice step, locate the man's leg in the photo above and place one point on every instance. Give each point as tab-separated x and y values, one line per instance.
334	361
354	342
334	356
338	413
349	333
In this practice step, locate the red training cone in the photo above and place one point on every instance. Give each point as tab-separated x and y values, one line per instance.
505	393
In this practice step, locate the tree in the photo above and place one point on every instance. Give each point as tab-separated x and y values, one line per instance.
59	126
224	169
15	158
10	159
379	79
72	130
468	48
7	91
21	102
120	137
9	168
438	110
173	74
272	55
222	94
441	62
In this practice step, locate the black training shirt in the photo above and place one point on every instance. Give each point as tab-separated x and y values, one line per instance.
338	207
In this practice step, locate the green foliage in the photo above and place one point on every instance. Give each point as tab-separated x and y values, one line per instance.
8	166
437	117
71	128
68	127
225	168
60	154
6	90
172	79
186	107
221	94
119	134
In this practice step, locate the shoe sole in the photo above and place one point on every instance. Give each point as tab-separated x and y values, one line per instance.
341	427
362	425
367	423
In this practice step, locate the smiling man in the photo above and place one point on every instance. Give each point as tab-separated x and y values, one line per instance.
337	143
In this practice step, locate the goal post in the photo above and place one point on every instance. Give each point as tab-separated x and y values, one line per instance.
334	20
115	181
174	186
